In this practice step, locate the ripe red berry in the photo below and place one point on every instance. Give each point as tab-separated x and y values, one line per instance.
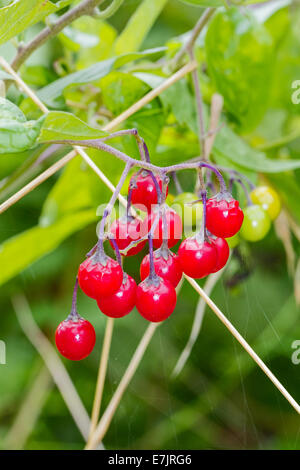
222	248
144	194
155	301
197	259
125	231
224	217
174	227
75	339
167	267
97	279
121	302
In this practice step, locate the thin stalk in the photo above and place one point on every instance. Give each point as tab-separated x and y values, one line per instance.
223	187
101	377
115	400
195	33
244	344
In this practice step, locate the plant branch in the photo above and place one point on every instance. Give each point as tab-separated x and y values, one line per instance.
86	7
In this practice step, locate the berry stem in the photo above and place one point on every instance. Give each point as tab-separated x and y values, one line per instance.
146	151
203	223
74	316
117	251
241	183
157	188
101	145
223	187
152	275
129	197
109	207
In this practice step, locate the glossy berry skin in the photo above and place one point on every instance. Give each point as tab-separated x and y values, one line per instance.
168	269
126	230
222	248
75	340
174	225
256	223
155	302
144	194
121	302
268	199
224	217
197	260
97	279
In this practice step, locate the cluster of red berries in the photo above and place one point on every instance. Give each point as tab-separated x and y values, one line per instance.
102	278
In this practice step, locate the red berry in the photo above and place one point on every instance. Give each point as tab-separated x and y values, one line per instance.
121	302
75	339
222	248
224	217
167	268
197	260
97	279
144	194
174	226
155	301
125	231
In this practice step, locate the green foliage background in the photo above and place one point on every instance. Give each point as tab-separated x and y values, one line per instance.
88	74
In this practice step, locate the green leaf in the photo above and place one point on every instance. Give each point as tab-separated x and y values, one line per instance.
235	149
138	26
59	125
16	134
21	251
177	98
120	90
96	71
240	56
17	16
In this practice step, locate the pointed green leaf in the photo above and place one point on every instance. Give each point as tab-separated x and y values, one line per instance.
17	16
59	125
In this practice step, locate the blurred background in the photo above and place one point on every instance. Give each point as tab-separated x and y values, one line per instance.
220	400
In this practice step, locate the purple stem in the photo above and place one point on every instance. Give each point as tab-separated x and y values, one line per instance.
158	190
147	156
117	251
74	316
223	187
129	202
238	180
152	274
110	205
200	237
100	145
239	175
